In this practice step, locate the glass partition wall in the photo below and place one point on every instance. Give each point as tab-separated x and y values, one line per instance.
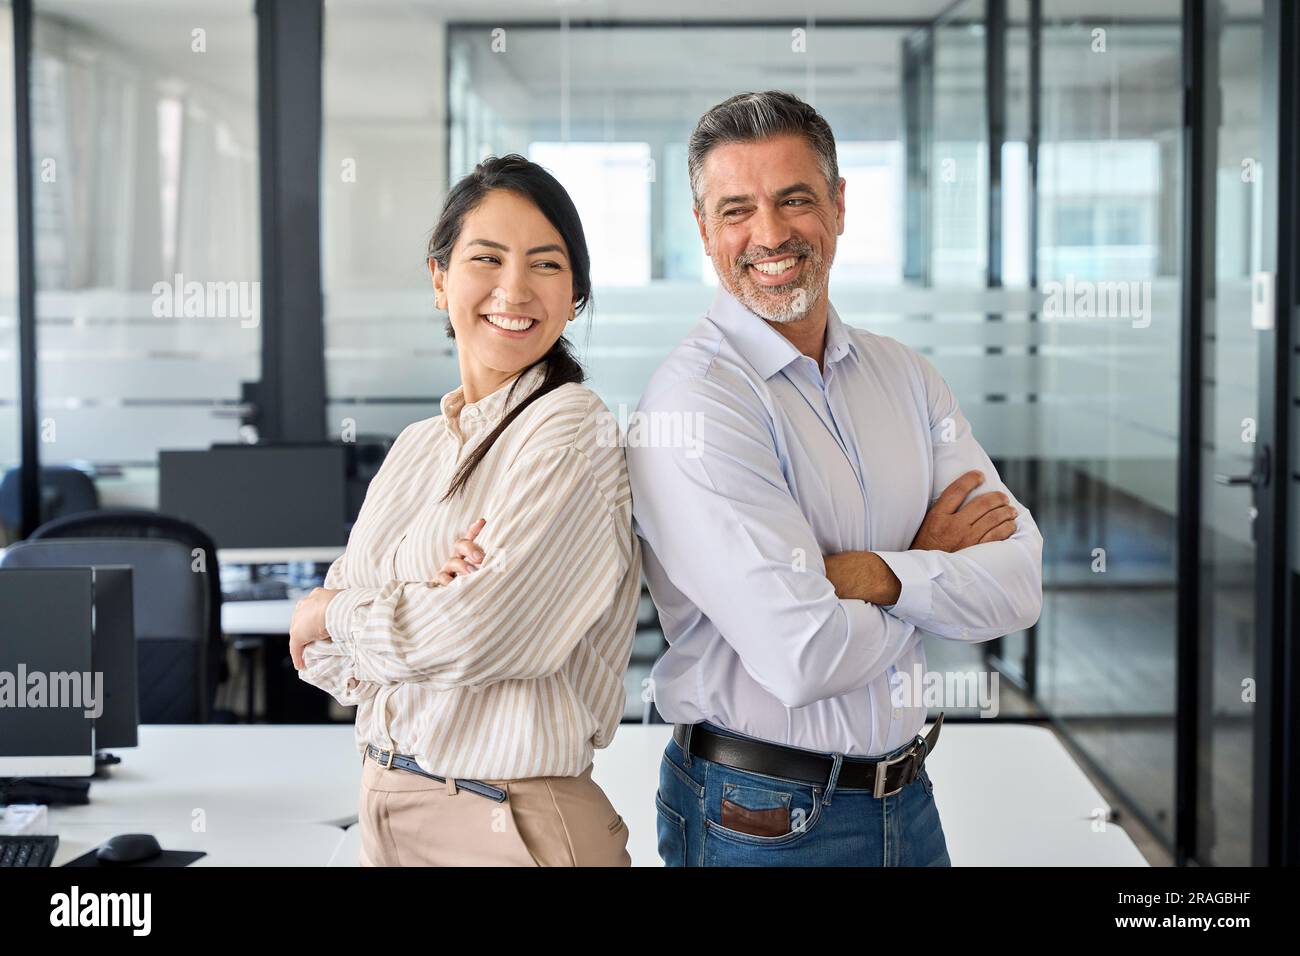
1017	212
145	213
1109	194
1020	210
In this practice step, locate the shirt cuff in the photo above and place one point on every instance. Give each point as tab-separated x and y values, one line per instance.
346	614
916	575
333	670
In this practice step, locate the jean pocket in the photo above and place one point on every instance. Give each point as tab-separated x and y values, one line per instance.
760	812
754	810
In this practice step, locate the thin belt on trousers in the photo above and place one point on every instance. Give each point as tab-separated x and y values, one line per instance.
403	762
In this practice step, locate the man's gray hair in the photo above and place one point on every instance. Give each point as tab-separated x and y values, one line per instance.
748	117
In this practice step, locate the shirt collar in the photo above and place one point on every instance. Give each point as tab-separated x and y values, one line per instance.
467	419
838	341
762	346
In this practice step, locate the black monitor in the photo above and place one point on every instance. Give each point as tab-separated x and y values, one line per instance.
113	653
48	691
260	496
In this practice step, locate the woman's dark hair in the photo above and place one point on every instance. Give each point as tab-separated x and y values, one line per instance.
532	182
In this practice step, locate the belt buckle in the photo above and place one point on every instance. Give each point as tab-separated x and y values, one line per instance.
379	759
882	768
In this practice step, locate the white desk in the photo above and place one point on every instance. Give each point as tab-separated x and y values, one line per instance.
234	773
246	844
284	793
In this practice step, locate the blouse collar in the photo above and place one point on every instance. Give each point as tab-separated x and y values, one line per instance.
467	419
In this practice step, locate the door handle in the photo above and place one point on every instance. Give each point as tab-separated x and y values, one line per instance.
241	411
1258	474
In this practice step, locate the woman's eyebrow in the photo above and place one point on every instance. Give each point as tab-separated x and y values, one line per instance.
551	247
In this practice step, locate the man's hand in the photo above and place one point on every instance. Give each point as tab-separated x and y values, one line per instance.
950	526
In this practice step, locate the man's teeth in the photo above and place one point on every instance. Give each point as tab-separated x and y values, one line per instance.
776	268
508	322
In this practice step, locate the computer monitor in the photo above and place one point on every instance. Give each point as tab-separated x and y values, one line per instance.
113	655
48	691
260	496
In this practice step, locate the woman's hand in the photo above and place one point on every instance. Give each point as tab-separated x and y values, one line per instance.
466	556
308	623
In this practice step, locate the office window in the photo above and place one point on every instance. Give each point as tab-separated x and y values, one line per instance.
383	177
959	158
146	226
1074	225
1102	202
871	248
1121	225
610	185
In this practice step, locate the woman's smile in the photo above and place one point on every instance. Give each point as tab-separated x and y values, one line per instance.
510	324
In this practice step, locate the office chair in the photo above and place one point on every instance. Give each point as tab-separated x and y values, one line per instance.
143	523
65	490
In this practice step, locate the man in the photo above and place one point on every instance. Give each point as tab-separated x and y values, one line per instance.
832	509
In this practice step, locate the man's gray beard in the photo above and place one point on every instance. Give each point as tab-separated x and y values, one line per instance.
788	311
793	307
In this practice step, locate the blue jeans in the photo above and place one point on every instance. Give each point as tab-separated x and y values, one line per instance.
829	825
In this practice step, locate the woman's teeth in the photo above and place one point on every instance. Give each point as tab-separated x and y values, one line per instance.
776	268
509	323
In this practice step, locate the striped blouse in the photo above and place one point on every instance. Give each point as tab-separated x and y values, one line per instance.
516	669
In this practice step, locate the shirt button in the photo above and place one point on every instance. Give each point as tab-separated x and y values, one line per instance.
897	713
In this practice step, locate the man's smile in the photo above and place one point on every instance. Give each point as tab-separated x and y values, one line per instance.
776	271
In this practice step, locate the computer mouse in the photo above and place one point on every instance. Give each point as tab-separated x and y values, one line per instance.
128	848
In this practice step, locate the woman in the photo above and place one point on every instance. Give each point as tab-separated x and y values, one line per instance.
482	616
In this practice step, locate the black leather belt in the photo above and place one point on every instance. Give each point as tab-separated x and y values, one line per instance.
389	761
883	777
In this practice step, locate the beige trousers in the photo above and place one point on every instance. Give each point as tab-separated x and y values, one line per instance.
410	820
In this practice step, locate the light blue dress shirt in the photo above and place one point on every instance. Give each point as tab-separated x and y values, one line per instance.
774	464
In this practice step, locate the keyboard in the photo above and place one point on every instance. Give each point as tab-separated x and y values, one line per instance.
28	850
